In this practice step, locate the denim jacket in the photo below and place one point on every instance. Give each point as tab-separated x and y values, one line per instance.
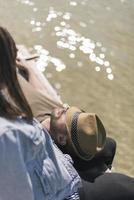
31	165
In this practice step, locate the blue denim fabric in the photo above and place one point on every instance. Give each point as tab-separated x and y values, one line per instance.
31	165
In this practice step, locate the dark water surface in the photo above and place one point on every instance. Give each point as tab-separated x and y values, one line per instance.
87	49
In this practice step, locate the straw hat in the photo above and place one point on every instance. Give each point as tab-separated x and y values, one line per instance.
87	134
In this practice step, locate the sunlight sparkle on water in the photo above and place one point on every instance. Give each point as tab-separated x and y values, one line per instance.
99	61
51	15
63	23
35	9
103	49
60	67
62	45
57	86
106	64
86	50
36	29
108	70
83	24
59	33
69	39
102	55
41	65
72	55
98	44
45	58
72	48
110	76
88	43
74	41
58	63
27	2
73	3
38	24
83	3
92	21
92	57
57	28
108	8
67	16
32	22
97	68
38	47
49	75
80	64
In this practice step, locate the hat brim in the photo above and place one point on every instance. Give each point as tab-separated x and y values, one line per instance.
69	114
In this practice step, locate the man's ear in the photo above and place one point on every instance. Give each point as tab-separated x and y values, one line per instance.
46	124
62	139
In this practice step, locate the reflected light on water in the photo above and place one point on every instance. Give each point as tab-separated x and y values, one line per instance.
58	63
38	23
32	22
51	16
122	1
27	2
102	55
108	70
110	76
98	44
57	86
45	58
72	55
57	28
63	23
60	67
99	61
35	9
97	68
108	8
92	57
103	49
79	64
92	21
36	29
73	3
83	24
49	75
67	16
72	48
86	50
70	40
106	64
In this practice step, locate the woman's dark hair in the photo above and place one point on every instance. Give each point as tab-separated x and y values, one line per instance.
9	81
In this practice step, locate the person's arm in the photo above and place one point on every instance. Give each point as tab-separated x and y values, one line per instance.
39	103
15	182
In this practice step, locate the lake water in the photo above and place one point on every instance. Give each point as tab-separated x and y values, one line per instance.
87	49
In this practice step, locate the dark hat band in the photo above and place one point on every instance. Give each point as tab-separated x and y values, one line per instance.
74	137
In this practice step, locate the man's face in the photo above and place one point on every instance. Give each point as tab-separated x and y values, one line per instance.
58	129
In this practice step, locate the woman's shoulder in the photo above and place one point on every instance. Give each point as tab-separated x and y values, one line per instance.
23	130
18	125
5	125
